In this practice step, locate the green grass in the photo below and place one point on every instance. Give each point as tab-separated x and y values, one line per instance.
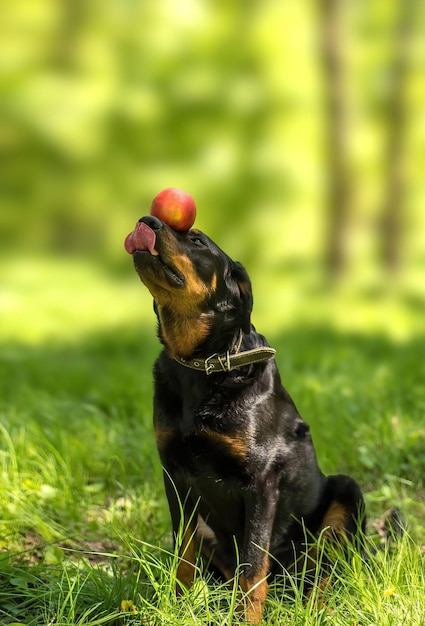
84	527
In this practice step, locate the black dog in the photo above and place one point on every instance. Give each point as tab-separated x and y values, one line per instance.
240	469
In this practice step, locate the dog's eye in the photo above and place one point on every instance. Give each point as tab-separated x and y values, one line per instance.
197	241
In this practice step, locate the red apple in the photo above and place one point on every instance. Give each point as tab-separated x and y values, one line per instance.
175	207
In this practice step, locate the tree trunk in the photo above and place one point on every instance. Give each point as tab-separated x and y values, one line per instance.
394	204
338	191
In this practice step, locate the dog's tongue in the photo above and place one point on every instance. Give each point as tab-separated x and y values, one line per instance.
142	238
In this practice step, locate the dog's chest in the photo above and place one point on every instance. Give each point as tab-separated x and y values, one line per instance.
213	467
203	437
202	450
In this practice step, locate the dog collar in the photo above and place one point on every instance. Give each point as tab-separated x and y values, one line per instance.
226	362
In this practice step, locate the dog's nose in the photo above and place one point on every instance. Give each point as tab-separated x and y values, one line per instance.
152	221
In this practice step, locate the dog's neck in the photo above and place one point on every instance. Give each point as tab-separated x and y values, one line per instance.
182	335
198	344
196	334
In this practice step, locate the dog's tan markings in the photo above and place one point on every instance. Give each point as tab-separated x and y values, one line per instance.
182	334
187	553
236	445
214	282
335	520
163	436
333	527
194	287
185	298
181	311
255	589
244	287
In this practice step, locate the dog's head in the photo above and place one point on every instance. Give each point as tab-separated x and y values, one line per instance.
202	298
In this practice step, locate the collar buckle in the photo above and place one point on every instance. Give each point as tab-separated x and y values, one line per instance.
225	362
214	360
210	367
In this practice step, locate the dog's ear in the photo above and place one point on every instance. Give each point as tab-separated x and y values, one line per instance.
240	276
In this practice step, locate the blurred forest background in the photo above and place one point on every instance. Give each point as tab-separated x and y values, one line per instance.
297	125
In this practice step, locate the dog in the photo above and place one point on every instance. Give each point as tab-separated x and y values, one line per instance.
243	484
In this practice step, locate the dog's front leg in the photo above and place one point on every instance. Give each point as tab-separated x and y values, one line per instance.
184	519
260	510
187	553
